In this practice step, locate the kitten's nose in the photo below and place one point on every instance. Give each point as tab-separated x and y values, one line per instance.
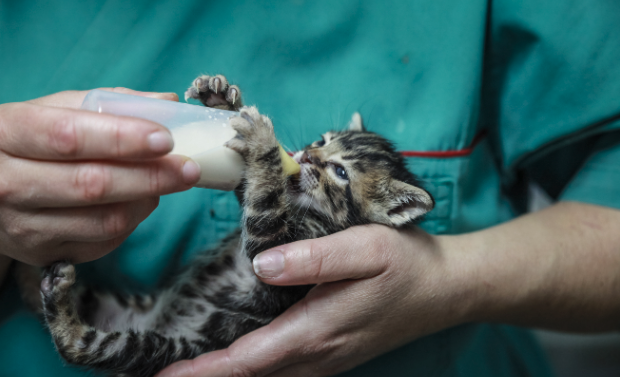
306	158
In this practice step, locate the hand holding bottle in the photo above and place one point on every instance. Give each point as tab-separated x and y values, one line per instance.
73	183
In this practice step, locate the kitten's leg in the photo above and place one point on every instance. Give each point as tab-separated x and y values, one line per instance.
73	339
214	91
88	301
111	311
140	353
267	212
266	203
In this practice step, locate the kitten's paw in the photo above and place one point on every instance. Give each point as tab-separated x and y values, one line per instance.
214	91
255	134
58	279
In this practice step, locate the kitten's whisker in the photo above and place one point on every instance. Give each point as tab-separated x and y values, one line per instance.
308	207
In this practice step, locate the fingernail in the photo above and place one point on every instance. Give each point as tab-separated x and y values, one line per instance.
191	172
269	264
160	142
167	96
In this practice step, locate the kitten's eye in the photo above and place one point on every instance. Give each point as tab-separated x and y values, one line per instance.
319	143
341	173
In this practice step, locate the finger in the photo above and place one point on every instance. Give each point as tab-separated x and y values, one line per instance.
309	369
48	133
94	223
352	254
327	365
258	353
215	364
82	252
74	98
75	252
90	183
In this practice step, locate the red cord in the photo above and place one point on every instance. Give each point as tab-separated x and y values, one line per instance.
447	154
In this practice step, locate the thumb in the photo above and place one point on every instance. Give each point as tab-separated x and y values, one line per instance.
355	253
73	98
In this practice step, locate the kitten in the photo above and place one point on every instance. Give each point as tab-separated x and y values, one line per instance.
347	178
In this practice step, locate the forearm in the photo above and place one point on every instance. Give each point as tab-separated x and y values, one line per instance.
557	269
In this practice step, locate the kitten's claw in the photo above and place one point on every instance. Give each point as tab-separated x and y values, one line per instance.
255	134
192	92
198	84
215	91
216	84
232	95
238	145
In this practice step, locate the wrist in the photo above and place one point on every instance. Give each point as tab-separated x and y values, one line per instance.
512	272
463	273
492	285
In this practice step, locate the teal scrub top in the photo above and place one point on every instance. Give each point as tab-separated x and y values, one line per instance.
484	96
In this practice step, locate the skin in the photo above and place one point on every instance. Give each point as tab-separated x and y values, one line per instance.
73	183
556	269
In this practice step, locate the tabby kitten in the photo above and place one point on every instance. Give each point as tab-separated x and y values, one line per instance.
347	178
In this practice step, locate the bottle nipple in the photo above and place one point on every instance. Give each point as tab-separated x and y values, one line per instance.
289	165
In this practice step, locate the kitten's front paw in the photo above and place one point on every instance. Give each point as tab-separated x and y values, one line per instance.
255	135
214	91
58	279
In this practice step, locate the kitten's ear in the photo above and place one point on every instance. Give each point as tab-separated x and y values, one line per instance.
408	203
356	123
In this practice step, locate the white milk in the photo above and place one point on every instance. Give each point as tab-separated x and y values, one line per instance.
198	132
221	167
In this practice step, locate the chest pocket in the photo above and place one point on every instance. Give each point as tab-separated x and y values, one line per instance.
438	220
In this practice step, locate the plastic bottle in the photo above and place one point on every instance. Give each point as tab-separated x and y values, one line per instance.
198	132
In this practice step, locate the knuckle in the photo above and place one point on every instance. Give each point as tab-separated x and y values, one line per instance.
63	137
381	245
243	372
16	230
116	132
155	179
21	234
333	352
315	262
7	190
93	182
115	221
321	344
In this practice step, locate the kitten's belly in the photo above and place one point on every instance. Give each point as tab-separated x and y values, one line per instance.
231	287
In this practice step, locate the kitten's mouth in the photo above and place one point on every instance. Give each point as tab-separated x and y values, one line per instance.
294	181
304	182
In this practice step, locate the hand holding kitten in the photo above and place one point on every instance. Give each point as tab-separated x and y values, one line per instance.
375	284
380	288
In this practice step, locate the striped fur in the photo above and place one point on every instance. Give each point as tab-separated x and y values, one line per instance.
348	178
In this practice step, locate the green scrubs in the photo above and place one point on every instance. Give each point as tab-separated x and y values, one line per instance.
537	81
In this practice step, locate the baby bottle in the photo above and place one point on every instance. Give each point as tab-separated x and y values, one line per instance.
198	132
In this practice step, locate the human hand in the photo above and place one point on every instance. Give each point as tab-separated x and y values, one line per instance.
379	288
73	183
